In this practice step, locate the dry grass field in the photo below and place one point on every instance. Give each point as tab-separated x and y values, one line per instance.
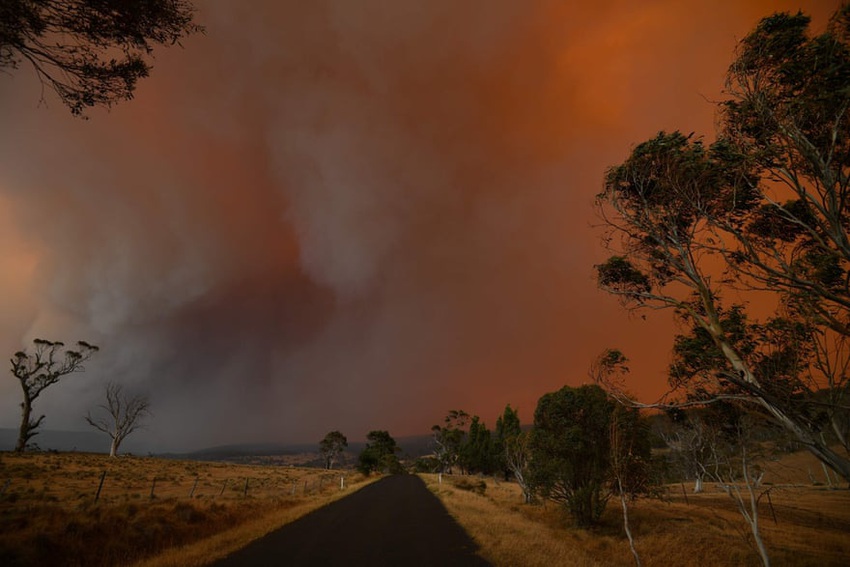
811	525
156	511
200	511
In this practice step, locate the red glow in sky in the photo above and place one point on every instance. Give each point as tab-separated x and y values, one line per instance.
354	216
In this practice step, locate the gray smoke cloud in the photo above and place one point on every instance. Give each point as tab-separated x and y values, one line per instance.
347	215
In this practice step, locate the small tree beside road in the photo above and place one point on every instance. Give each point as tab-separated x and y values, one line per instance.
380	454
331	447
570	450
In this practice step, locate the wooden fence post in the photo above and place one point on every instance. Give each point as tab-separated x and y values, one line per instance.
153	486
245	492
192	492
99	486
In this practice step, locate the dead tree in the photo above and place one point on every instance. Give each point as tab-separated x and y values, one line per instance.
35	371
124	415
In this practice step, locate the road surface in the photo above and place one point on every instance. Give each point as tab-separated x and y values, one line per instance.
395	521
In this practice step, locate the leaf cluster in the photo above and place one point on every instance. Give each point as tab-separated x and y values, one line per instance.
90	52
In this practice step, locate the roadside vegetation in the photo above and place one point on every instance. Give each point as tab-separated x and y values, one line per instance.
677	528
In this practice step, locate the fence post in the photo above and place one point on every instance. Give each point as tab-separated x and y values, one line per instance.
153	486
99	486
223	486
192	492
342	482
245	492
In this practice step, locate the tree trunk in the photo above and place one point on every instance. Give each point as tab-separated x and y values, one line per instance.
826	455
754	520
113	448
24	432
805	436
626	523
698	485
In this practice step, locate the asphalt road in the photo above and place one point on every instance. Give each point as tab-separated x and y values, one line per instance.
395	521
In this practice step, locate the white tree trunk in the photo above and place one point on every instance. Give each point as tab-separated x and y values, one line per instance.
698	484
626	523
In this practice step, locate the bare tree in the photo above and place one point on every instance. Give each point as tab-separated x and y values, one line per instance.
733	466
125	414
689	442
42	368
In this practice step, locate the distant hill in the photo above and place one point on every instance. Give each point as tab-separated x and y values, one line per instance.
411	446
237	451
93	442
54	440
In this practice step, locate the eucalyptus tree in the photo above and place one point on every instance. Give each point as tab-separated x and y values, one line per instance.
90	52
48	362
449	439
331	447
764	208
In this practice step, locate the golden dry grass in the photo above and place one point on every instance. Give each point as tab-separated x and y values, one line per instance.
812	525
200	511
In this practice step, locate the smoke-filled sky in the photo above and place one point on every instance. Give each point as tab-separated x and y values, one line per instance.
348	215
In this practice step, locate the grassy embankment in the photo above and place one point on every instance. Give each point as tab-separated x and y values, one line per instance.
199	511
812	525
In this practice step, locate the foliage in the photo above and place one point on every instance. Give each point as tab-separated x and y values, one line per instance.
507	428
331	447
477	451
689	221
40	369
584	447
449	439
379	455
90	52
570	450
125	415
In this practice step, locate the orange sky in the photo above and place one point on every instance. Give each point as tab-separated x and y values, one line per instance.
349	215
